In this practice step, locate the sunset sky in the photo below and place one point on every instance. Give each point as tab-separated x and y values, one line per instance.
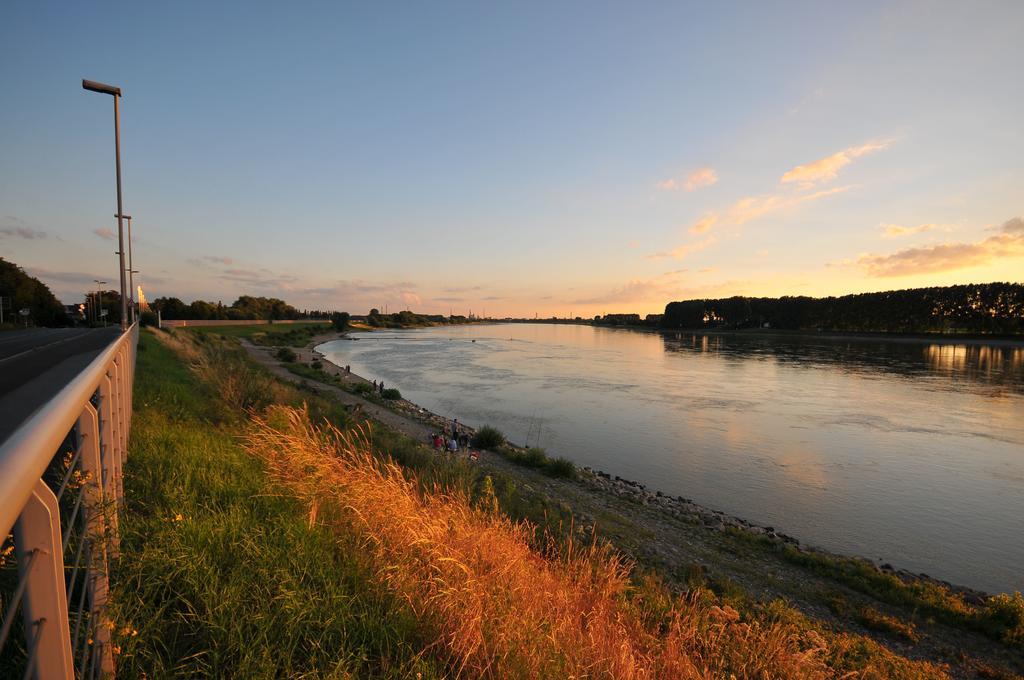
548	158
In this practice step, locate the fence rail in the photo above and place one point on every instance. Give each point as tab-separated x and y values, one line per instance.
60	491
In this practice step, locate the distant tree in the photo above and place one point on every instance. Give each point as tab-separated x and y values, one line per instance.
340	320
971	308
171	308
250	307
99	301
28	292
201	309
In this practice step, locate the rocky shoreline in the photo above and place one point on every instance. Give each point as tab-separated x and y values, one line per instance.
677	507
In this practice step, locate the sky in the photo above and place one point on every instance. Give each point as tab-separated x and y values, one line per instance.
570	158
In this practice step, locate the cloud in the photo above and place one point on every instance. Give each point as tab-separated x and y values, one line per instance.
895	230
461	289
19	228
104	233
752	207
410	298
260	278
449	299
75	278
1009	242
704	224
22	232
828	168
207	260
699	178
684	250
662	286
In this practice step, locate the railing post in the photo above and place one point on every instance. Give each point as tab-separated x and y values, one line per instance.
110	461
95	523
45	609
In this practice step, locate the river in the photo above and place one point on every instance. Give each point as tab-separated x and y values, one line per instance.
908	452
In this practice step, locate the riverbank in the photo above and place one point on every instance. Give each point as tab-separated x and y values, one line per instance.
689	542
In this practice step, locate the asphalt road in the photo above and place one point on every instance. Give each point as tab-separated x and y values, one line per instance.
36	363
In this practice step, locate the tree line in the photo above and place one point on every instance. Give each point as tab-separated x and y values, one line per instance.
20	291
245	307
989	308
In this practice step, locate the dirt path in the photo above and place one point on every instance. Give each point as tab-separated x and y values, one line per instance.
681	546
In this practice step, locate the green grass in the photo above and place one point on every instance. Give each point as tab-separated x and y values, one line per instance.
272	335
221	576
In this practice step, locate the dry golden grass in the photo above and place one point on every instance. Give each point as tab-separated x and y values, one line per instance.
495	607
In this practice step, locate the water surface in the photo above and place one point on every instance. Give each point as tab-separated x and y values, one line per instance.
901	451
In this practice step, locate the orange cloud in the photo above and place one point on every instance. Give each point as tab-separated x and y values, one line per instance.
683	250
752	207
896	230
828	168
702	177
104	233
1009	242
704	224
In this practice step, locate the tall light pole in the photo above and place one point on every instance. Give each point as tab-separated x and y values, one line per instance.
98	305
131	280
115	92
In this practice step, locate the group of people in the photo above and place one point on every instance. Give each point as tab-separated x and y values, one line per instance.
378	387
451	438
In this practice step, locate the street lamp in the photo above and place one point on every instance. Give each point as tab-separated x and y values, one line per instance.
115	92
98	306
131	281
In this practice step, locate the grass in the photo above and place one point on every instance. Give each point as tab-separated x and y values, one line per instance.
876	620
224	576
271	335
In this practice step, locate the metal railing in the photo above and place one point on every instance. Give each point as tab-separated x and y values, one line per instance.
60	490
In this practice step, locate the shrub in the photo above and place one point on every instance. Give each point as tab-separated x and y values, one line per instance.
561	467
876	620
147	319
286	354
488	437
363	388
535	458
1008	610
317	364
391	393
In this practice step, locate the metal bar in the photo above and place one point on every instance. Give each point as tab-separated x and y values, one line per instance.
33	653
5	630
38	528
95	523
78	621
67	475
71	522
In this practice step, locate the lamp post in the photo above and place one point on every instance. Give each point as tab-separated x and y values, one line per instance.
131	280
115	92
98	305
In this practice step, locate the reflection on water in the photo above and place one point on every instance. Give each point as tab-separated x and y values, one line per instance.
911	452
